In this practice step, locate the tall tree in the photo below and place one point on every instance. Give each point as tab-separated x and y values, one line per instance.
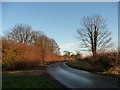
54	47
94	34
20	33
25	37
118	58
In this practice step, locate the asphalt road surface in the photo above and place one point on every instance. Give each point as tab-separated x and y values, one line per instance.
74	78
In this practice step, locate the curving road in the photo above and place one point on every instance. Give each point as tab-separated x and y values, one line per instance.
73	78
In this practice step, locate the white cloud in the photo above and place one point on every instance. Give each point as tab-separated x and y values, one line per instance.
69	46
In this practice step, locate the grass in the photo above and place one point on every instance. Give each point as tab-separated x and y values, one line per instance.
25	69
37	68
35	81
109	74
23	79
85	65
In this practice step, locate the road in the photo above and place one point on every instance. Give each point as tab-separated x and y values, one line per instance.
74	78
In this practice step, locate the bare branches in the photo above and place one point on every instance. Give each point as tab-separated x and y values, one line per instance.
94	33
22	33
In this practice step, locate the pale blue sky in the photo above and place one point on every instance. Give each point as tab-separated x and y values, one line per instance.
60	0
58	20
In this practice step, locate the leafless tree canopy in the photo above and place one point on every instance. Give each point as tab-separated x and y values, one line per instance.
94	33
22	33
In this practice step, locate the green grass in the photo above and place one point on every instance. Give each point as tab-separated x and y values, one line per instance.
37	68
85	65
25	80
109	74
35	81
30	68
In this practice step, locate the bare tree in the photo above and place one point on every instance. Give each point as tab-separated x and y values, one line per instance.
94	34
47	45
20	33
118	58
54	47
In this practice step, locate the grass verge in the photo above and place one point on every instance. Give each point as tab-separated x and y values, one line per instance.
85	65
36	81
26	69
35	78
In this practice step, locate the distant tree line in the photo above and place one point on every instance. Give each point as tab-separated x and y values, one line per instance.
24	47
72	56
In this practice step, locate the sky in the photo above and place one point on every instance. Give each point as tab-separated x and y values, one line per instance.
58	20
60	0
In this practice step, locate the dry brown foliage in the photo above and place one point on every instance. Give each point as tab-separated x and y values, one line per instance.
27	49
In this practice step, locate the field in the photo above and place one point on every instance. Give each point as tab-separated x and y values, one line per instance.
36	81
35	78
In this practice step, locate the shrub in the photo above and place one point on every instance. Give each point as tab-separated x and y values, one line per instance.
19	56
